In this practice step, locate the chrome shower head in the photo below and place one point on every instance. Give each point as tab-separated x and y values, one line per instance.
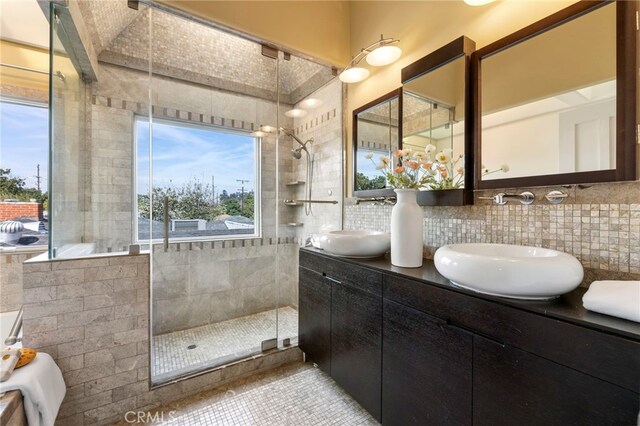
296	153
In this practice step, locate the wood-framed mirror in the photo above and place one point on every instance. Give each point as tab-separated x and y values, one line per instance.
437	113
377	132
557	100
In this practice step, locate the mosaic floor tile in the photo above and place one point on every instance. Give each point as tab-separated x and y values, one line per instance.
299	394
219	343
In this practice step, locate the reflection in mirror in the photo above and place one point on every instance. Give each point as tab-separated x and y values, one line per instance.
433	115
376	134
549	103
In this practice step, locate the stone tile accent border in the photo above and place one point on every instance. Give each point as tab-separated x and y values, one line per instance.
603	237
91	316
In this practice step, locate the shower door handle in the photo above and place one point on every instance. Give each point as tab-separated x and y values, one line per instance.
165	206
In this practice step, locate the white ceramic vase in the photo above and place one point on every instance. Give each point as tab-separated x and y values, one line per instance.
406	230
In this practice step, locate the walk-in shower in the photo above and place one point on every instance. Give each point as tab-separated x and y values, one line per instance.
174	112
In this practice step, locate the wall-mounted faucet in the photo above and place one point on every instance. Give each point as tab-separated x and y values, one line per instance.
502	198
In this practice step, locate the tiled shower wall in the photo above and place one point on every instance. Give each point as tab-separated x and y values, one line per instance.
599	225
324	125
91	316
194	284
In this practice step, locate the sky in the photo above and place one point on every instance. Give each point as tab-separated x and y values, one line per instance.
183	153
365	165
24	141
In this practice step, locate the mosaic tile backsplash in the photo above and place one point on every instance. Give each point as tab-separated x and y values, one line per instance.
603	237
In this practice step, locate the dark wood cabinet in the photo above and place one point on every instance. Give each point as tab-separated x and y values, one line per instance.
511	386
426	369
356	344
413	351
314	316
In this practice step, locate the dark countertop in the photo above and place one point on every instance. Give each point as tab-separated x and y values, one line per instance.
567	307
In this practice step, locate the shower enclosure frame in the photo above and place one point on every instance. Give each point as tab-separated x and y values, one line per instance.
191	18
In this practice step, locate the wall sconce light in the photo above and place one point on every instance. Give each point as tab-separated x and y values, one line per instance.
378	54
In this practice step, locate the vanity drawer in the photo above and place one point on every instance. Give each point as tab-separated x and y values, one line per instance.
344	272
611	358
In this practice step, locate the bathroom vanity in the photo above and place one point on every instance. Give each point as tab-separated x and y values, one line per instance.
413	349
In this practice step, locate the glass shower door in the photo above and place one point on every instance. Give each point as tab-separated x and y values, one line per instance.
209	204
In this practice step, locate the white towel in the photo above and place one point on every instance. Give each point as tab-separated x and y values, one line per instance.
617	298
42	388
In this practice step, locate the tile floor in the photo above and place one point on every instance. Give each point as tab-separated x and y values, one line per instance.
298	394
219	343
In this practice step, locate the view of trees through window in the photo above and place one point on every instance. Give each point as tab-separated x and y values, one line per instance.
208	175
24	148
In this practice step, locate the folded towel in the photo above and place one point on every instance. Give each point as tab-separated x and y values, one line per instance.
617	298
42	388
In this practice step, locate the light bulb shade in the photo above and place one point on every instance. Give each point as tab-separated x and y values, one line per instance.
477	2
311	103
354	75
258	134
384	55
267	129
295	113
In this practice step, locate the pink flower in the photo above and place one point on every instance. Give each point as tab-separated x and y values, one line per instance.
443	173
427	165
442	168
397	153
399	169
413	165
460	170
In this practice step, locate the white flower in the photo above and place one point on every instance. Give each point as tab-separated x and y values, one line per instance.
429	149
443	157
383	163
504	168
406	152
368	155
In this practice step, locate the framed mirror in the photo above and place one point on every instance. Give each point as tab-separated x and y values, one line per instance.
376	133
557	100
436	117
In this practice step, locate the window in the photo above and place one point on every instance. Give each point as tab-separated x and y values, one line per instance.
24	162
210	176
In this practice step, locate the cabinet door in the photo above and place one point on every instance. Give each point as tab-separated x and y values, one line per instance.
426	369
513	387
356	339
314	318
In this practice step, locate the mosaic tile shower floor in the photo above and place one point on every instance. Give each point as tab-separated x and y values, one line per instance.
298	394
220	342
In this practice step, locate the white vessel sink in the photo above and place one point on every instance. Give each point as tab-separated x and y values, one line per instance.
355	243
512	271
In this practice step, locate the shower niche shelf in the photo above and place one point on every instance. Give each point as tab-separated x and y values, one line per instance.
295	224
293	203
296	183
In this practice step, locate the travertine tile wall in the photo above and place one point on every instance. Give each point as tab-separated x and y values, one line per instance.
324	125
205	282
192	286
603	234
91	316
11	279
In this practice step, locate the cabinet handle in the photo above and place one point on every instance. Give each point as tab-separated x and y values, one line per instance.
333	280
479	333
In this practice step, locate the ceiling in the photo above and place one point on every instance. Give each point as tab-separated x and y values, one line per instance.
22	21
198	53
